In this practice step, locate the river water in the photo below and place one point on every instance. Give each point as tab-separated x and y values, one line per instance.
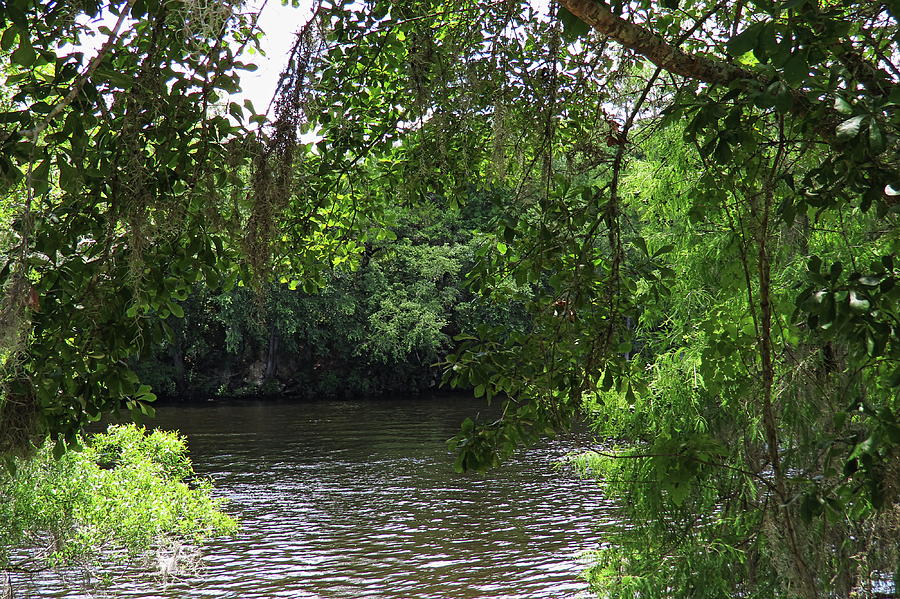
358	499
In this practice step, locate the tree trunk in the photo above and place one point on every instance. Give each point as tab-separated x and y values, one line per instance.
271	355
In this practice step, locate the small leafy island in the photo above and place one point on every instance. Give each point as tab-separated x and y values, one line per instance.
677	219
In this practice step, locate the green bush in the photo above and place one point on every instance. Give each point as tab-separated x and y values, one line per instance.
126	494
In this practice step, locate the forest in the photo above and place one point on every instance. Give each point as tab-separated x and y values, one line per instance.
672	221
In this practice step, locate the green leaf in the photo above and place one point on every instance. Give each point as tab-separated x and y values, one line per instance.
664	250
795	70
842	106
865	447
116	78
876	341
814	264
234	109
850	128
679	492
744	41
573	27
870	281
723	151
835	271
768	45
641	244
501	247
9	38
24	54
860	304
386	235
876	139
608	379
40	178
176	309
467	426
68	175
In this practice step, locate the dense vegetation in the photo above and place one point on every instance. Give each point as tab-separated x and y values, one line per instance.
694	215
381	327
128	496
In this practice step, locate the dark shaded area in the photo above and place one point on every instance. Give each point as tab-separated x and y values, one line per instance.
381	326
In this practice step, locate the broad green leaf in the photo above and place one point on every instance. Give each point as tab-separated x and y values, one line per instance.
24	55
745	41
876	139
860	304
664	250
573	27
870	281
9	38
842	106
796	70
850	127
176	309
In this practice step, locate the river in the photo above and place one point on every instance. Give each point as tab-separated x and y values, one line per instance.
358	499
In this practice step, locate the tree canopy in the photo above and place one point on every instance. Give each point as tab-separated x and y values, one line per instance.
696	204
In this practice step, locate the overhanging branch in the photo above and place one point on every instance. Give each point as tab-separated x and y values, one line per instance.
674	60
664	55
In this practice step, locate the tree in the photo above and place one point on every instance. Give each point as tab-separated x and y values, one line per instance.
749	319
379	328
127	176
121	185
108	166
747	312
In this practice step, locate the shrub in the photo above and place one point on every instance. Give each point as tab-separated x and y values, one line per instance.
122	496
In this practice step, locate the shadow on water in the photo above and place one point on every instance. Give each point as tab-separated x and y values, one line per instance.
359	499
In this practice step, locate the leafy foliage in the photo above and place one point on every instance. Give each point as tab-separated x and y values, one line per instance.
696	210
379	326
124	495
702	229
107	166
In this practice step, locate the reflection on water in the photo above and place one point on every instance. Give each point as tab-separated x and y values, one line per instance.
358	499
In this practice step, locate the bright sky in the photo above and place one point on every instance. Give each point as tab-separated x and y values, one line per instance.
279	24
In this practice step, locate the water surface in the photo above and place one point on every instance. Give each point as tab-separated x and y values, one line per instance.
359	500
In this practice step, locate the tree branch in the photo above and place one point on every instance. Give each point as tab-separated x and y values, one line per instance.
664	55
673	59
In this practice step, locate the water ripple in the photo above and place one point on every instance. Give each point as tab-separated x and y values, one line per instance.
358	500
